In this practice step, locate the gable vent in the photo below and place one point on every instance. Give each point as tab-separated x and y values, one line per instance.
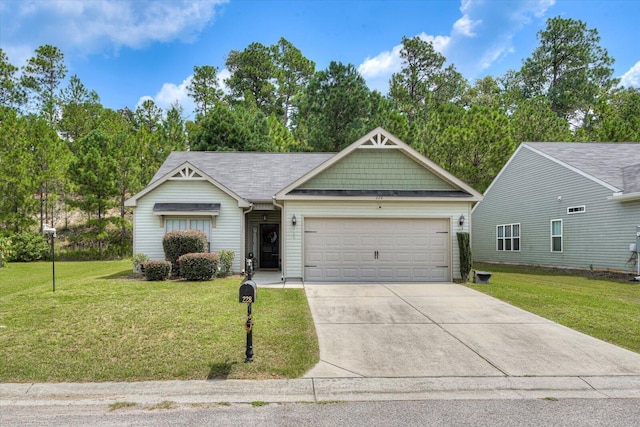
187	172
379	141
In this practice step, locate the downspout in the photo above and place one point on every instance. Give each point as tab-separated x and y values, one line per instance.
284	241
243	237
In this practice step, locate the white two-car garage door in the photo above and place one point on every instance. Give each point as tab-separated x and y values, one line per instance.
383	250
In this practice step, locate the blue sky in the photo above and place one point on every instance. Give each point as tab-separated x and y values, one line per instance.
129	50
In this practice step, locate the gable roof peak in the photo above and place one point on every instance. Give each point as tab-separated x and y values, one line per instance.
380	138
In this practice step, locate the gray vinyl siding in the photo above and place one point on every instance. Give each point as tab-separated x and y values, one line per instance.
380	170
225	228
294	236
527	192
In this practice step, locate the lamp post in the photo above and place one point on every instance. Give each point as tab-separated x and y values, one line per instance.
52	232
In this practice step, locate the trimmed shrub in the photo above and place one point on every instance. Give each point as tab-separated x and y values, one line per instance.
198	266
226	262
464	245
5	252
26	247
157	270
138	259
178	243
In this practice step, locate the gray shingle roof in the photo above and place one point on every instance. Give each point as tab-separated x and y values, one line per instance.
253	176
617	164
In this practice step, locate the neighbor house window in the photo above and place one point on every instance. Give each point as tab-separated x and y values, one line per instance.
174	224
576	209
556	235
508	237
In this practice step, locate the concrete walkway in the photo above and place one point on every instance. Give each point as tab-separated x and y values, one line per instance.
399	342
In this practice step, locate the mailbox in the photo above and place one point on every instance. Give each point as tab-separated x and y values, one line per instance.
248	291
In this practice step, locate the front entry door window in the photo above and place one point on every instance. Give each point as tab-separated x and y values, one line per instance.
269	245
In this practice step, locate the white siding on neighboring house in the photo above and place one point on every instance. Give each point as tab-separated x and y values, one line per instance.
225	230
294	236
533	191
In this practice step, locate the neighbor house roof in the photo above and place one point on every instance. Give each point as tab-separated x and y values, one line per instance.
614	163
253	176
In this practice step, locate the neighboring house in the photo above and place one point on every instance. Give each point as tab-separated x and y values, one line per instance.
376	211
572	205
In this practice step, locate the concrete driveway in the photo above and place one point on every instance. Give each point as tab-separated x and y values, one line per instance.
447	330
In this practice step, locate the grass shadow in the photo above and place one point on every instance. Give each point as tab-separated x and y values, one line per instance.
124	274
220	371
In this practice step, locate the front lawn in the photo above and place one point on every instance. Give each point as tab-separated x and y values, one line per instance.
607	309
101	325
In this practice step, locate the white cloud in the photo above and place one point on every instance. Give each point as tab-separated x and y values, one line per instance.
171	93
384	63
18	54
632	77
91	26
223	75
480	37
389	62
494	25
465	25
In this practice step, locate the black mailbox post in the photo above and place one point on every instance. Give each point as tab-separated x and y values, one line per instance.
248	294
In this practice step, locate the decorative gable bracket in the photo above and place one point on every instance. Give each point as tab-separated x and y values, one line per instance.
379	140
187	173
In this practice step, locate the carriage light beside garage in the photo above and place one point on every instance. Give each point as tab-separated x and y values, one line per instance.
294	220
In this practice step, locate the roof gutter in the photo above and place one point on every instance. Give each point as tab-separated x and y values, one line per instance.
620	197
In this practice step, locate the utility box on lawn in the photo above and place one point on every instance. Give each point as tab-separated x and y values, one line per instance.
482	277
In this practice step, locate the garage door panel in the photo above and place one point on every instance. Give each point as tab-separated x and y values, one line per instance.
439	274
334	256
404	274
349	257
333	273
439	241
365	249
438	259
314	274
315	258
332	242
368	273
386	274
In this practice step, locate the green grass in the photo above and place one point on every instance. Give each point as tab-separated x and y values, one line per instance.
101	325
607	309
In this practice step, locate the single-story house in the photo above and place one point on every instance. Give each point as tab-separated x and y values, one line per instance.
569	205
376	211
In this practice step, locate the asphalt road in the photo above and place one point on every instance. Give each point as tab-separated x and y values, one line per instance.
495	413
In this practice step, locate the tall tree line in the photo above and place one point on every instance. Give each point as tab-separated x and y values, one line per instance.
60	149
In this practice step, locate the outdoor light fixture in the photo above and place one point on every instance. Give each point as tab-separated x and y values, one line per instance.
264	217
294	220
461	220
